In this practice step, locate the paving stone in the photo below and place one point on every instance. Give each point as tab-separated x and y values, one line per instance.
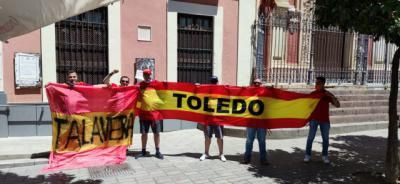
349	152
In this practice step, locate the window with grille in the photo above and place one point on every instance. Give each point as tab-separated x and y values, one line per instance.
82	46
195	48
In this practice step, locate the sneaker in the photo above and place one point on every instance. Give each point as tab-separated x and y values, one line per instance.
222	157
159	155
246	161
325	160
203	157
307	158
141	155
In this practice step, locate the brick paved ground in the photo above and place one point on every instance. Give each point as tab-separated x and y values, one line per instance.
351	154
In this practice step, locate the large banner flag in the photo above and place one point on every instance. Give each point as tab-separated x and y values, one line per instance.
226	105
91	126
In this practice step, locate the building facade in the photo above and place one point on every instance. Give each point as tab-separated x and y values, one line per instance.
186	41
181	40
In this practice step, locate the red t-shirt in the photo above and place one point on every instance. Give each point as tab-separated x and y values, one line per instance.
148	115
321	113
82	83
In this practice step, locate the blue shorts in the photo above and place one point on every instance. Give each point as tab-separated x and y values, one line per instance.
146	124
218	130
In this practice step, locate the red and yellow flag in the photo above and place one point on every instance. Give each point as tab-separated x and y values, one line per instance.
91	126
226	105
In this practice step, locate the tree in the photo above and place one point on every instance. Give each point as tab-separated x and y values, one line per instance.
379	18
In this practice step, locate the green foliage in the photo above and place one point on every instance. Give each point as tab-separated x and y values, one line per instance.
373	17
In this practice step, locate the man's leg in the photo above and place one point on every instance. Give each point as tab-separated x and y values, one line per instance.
157	140
311	135
156	128
207	142
144	129
220	143
261	136
219	134
324	127
144	141
250	132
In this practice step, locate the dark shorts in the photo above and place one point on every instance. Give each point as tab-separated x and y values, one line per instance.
146	124
209	130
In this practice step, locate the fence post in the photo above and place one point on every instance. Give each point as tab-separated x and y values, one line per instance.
310	68
260	34
364	62
386	64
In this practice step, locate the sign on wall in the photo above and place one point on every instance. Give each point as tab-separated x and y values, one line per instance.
144	63
27	70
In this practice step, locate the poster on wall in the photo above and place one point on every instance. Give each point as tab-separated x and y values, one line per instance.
27	70
141	64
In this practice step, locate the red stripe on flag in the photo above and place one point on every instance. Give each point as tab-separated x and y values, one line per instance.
85	99
90	158
229	120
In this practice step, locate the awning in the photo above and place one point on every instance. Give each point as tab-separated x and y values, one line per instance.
18	17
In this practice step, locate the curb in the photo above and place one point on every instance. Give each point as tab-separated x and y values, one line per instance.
22	162
290	133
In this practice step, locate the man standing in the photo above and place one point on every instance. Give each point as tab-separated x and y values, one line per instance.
146	124
124	80
73	79
321	117
261	136
209	130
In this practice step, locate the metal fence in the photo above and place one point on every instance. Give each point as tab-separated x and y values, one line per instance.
195	48
291	48
82	45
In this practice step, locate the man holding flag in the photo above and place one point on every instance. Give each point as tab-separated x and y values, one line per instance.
321	117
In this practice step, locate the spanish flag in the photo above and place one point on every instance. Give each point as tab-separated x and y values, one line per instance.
259	107
91	126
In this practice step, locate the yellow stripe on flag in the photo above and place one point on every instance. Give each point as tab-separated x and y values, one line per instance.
255	107
80	132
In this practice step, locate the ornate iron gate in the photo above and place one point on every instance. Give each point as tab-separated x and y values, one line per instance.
82	46
291	48
195	48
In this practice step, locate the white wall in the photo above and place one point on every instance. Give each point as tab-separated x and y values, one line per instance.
247	17
114	40
48	50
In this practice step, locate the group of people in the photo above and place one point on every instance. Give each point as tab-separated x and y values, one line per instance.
320	119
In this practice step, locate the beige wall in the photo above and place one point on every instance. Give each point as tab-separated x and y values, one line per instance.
230	41
148	13
29	43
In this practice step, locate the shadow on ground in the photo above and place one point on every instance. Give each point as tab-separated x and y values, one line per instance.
359	159
60	178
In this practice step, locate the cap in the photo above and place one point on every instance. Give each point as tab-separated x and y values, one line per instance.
147	71
257	81
214	79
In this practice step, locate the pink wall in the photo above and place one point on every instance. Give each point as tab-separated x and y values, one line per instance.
29	43
230	41
148	13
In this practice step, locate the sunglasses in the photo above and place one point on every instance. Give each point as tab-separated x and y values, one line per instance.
125	81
